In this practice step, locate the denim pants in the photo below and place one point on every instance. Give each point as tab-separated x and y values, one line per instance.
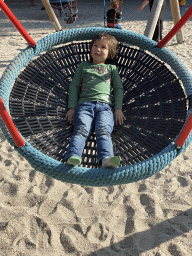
86	115
117	26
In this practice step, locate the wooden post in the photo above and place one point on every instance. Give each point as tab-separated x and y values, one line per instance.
153	18
176	17
176	28
52	15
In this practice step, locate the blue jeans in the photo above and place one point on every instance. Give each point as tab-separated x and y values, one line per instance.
117	26
181	10
86	115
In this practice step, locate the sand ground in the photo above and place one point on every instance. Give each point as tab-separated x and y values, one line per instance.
40	216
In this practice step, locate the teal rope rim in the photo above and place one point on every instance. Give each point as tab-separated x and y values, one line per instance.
82	175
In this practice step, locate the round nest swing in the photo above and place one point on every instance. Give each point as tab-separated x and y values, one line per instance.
156	105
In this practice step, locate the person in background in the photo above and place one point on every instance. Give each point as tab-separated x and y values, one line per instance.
157	36
113	16
182	3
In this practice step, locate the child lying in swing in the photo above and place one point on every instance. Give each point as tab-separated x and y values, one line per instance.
96	80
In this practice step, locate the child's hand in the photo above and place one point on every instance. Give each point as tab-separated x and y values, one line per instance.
119	116
69	115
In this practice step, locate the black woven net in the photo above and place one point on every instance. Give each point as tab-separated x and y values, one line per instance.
154	104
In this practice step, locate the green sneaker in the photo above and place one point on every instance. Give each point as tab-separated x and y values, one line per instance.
74	160
113	162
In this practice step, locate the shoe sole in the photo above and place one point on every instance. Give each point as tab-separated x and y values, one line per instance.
115	161
74	161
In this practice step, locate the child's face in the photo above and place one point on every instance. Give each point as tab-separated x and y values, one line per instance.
99	51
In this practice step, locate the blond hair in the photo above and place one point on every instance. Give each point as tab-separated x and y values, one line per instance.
114	4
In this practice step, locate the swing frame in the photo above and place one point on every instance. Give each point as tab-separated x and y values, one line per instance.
62	6
93	176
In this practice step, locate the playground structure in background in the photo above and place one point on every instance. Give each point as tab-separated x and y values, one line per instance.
67	9
154	16
70	14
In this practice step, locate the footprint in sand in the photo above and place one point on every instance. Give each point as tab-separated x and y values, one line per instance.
174	250
148	203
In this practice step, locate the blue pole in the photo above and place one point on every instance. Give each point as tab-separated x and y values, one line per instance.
104	11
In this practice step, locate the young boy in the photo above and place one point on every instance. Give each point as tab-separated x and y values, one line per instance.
99	85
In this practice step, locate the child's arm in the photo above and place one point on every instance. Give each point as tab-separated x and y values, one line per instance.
73	94
143	5
119	15
74	87
118	95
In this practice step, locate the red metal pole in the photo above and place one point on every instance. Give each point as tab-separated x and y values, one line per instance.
180	141
176	28
16	23
19	142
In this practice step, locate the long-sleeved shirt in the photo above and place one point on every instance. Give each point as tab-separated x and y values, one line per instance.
111	16
96	82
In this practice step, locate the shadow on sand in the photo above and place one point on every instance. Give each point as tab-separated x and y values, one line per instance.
135	244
